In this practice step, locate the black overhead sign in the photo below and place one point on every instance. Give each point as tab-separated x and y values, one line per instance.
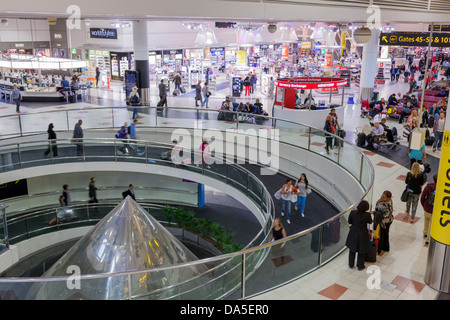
101	33
414	39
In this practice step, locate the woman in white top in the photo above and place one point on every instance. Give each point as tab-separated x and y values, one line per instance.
286	193
302	187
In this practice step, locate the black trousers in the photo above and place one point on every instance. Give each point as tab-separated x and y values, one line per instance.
359	261
383	243
53	149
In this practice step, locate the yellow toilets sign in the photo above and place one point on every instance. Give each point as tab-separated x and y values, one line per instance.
440	225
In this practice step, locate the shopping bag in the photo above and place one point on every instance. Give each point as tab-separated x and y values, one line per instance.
294	198
404	197
277	195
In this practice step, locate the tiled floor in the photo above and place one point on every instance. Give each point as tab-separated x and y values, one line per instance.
401	270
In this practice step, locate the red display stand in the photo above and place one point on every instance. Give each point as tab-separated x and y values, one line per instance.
287	88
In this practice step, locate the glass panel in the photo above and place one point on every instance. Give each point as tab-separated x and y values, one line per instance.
274	266
67	152
350	159
32	154
10	126
100	150
334	237
9	158
237	177
294	134
38	122
318	144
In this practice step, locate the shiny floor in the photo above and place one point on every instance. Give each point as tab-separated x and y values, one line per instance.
402	269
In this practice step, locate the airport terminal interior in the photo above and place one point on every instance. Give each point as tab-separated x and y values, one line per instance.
224	150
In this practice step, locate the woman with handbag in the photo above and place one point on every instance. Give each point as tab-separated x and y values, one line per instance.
52	147
415	179
206	94
303	189
286	193
358	240
385	207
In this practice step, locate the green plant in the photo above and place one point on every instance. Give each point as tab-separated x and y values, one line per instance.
169	210
208	229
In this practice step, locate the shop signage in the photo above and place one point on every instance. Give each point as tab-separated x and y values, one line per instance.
440	28
305	45
225	25
101	33
311	83
285	51
414	39
20	45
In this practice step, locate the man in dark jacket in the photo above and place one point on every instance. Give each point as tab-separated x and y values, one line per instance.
427	201
78	133
162	94
92	191
129	192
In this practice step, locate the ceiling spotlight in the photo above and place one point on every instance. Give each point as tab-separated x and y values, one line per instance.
4	22
87	22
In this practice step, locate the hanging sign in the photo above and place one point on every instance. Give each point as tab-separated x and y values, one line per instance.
414	39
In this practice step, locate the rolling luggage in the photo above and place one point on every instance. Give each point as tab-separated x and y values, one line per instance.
361	139
176	92
182	90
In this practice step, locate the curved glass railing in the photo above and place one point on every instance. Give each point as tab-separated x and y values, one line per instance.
233	276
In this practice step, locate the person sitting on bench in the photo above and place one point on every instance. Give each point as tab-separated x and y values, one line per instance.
379	106
375	135
391	134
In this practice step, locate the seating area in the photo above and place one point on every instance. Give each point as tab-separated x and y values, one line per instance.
228	116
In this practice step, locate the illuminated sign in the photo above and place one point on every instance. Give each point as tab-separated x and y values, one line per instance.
414	39
100	33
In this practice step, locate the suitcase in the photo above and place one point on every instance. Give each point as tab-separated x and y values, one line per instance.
176	92
182	90
361	139
371	255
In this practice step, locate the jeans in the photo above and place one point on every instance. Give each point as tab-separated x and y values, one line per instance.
205	100
286	208
413	200
177	85
301	203
135	113
438	140
17	101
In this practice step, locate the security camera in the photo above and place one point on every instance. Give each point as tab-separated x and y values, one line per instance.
272	28
4	22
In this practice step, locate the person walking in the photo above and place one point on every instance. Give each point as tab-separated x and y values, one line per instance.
123	135
302	187
134	101
386	208
438	130
16	97
162	94
177	81
129	192
247	84
206	94
97	76
132	132
278	232
92	191
78	136
198	93
66	194
415	179
286	194
52	147
427	201
358	240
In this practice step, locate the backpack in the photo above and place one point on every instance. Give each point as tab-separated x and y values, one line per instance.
430	199
118	135
134	99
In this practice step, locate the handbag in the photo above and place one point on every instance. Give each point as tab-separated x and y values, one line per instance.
308	191
277	195
405	195
294	198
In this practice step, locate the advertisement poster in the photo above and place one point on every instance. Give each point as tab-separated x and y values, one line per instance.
285	52
241	57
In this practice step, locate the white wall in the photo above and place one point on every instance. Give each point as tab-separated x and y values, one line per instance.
25	30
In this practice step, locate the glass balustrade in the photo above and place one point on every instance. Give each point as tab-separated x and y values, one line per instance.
260	267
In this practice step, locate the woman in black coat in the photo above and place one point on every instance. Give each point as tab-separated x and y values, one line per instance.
52	143
358	237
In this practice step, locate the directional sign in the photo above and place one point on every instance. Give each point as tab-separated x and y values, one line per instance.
414	39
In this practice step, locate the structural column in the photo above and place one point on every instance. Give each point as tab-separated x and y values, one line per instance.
437	273
369	66
140	43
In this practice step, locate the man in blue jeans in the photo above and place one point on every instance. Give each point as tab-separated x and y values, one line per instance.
16	97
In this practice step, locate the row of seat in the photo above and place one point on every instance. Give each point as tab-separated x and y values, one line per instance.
6	94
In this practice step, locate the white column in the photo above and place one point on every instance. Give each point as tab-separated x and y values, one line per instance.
369	66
